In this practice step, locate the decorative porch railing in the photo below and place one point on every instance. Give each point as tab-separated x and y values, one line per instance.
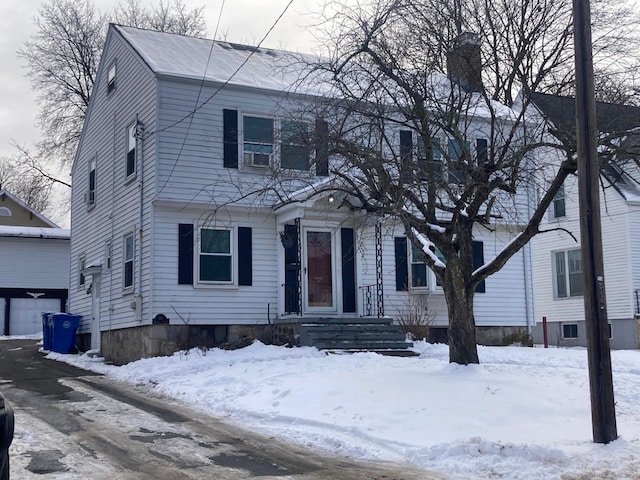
371	305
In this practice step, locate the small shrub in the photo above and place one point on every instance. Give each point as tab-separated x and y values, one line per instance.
415	319
520	338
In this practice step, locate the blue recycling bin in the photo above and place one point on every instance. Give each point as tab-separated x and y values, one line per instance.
63	338
47	330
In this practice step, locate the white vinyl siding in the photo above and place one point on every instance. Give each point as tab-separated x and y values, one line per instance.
222	305
119	208
618	247
36	263
503	304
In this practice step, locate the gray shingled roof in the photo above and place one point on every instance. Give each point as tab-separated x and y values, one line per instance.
215	61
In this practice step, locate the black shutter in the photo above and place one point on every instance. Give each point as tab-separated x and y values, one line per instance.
402	271
481	151
348	271
185	254
478	261
230	138
322	147
245	258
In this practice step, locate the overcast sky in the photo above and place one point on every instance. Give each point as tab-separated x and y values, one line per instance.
18	106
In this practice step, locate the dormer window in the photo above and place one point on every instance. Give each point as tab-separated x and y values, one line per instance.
111	79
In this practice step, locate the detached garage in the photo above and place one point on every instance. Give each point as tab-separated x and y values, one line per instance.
34	267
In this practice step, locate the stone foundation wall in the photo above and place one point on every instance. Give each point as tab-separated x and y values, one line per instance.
130	344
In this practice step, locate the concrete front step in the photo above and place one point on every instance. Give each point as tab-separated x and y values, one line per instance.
354	334
362	345
347	320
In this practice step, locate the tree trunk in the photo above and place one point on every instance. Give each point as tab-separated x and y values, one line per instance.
462	328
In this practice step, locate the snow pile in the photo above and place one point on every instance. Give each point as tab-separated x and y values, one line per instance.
522	414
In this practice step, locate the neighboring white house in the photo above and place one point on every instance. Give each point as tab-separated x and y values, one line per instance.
557	261
170	243
34	261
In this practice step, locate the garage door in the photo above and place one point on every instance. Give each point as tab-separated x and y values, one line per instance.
26	314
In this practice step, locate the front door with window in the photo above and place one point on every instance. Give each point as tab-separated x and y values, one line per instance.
319	274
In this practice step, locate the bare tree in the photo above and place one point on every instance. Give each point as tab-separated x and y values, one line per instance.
63	56
445	157
31	188
164	17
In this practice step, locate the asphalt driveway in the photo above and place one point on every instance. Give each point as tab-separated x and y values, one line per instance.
74	424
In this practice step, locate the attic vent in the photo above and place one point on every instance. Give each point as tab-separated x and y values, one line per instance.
5	212
245	48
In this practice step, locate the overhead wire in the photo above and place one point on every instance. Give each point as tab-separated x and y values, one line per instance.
197	107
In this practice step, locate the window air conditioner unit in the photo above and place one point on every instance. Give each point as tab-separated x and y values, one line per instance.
254	159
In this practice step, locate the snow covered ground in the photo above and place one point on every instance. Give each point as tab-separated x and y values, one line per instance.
522	414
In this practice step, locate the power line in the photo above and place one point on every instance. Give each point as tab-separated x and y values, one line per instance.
191	114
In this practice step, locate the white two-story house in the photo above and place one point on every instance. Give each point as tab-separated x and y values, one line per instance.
198	217
557	260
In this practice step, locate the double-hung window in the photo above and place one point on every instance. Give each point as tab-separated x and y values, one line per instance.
90	195
127	261
568	274
82	263
216	255
558	205
130	167
422	277
419	271
434	166
457	168
257	143
294	147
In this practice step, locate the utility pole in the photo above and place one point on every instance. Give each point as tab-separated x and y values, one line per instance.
603	415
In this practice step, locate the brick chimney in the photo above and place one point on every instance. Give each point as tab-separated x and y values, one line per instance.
464	64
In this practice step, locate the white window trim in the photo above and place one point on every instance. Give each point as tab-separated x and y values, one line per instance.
90	194
566	274
112	68
432	283
128	288
82	263
275	160
234	257
131	176
552	207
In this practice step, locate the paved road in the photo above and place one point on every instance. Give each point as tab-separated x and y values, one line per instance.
73	424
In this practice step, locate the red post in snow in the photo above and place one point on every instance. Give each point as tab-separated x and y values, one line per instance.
544	332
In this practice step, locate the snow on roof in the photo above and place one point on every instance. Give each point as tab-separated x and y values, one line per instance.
34	232
265	68
215	61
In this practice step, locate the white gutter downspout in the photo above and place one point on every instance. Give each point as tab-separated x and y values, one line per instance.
140	167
